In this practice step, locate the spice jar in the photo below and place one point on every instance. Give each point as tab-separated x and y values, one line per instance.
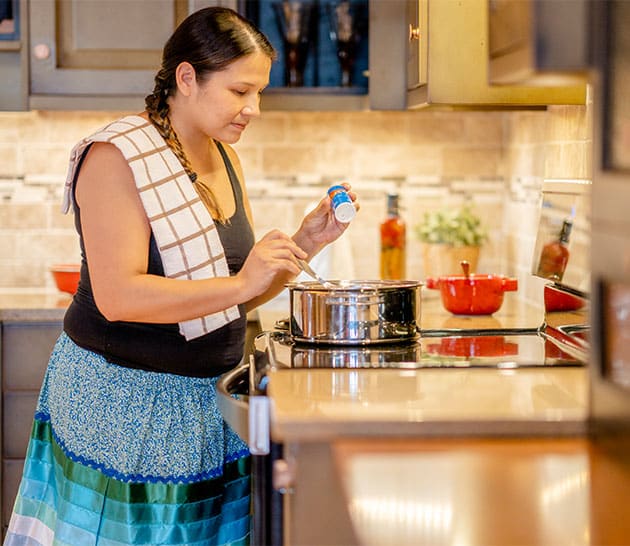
342	205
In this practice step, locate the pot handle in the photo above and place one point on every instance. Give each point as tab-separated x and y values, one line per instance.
432	282
509	285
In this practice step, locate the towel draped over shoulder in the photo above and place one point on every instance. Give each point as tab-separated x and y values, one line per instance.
183	228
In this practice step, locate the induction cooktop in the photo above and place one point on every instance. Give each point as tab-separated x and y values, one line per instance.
489	349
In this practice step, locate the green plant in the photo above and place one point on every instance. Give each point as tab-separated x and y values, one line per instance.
457	227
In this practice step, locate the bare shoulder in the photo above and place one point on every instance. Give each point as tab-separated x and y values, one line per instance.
104	152
105	168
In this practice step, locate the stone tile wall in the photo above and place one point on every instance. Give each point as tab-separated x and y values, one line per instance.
494	160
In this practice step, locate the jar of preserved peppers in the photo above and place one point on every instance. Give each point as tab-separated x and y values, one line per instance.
393	241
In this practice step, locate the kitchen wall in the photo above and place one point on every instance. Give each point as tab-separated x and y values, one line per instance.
494	160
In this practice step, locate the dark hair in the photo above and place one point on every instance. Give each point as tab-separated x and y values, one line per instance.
209	39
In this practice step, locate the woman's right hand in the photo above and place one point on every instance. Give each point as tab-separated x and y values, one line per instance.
274	255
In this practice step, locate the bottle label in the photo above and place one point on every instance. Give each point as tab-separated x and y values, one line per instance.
342	205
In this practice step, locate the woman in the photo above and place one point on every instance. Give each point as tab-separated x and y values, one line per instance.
128	446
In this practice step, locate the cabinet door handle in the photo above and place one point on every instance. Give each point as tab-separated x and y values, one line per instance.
414	33
41	51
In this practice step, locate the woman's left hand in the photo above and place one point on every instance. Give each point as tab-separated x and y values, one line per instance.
320	227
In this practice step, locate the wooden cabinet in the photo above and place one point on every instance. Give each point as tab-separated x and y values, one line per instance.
538	42
24	352
104	56
97	54
417	17
453	49
13	91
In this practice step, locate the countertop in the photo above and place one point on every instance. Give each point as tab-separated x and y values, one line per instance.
30	306
315	404
18	306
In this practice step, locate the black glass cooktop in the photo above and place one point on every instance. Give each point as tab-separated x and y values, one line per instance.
490	349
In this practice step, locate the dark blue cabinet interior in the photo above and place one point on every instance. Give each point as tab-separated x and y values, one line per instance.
322	69
9	21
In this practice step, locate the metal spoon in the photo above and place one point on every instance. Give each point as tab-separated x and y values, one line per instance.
311	272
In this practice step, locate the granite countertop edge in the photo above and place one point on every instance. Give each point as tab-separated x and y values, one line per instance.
41	306
31	306
571	425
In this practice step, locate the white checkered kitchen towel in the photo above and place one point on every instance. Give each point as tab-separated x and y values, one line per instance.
185	233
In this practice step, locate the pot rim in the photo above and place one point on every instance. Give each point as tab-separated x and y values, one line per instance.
360	285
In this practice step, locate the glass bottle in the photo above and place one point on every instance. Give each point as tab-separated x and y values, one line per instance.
393	241
555	255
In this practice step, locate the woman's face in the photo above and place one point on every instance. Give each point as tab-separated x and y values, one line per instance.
226	101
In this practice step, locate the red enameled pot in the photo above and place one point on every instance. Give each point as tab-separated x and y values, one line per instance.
472	294
556	300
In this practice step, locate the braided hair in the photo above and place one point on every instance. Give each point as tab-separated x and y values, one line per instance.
209	39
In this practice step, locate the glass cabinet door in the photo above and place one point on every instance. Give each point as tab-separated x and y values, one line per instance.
9	20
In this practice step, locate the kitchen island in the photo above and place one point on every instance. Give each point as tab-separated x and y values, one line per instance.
474	456
483	491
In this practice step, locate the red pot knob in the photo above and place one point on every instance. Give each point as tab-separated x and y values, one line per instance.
510	285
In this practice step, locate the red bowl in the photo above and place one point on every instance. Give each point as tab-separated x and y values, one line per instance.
66	277
472	294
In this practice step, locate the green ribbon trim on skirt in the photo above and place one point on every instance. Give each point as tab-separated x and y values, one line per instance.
146	492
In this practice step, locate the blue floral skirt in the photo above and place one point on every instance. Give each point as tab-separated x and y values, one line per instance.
119	456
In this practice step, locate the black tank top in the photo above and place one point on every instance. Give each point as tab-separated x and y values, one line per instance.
160	347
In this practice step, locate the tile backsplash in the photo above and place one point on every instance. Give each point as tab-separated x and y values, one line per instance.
494	160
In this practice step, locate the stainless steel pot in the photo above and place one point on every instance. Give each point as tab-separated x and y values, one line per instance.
354	312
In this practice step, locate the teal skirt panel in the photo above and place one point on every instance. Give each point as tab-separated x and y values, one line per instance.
67	502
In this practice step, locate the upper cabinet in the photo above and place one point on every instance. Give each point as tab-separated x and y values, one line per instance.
322	53
78	54
435	53
539	42
104	55
97	54
13	90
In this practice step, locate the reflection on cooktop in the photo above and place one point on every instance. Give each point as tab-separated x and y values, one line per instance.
449	351
504	351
